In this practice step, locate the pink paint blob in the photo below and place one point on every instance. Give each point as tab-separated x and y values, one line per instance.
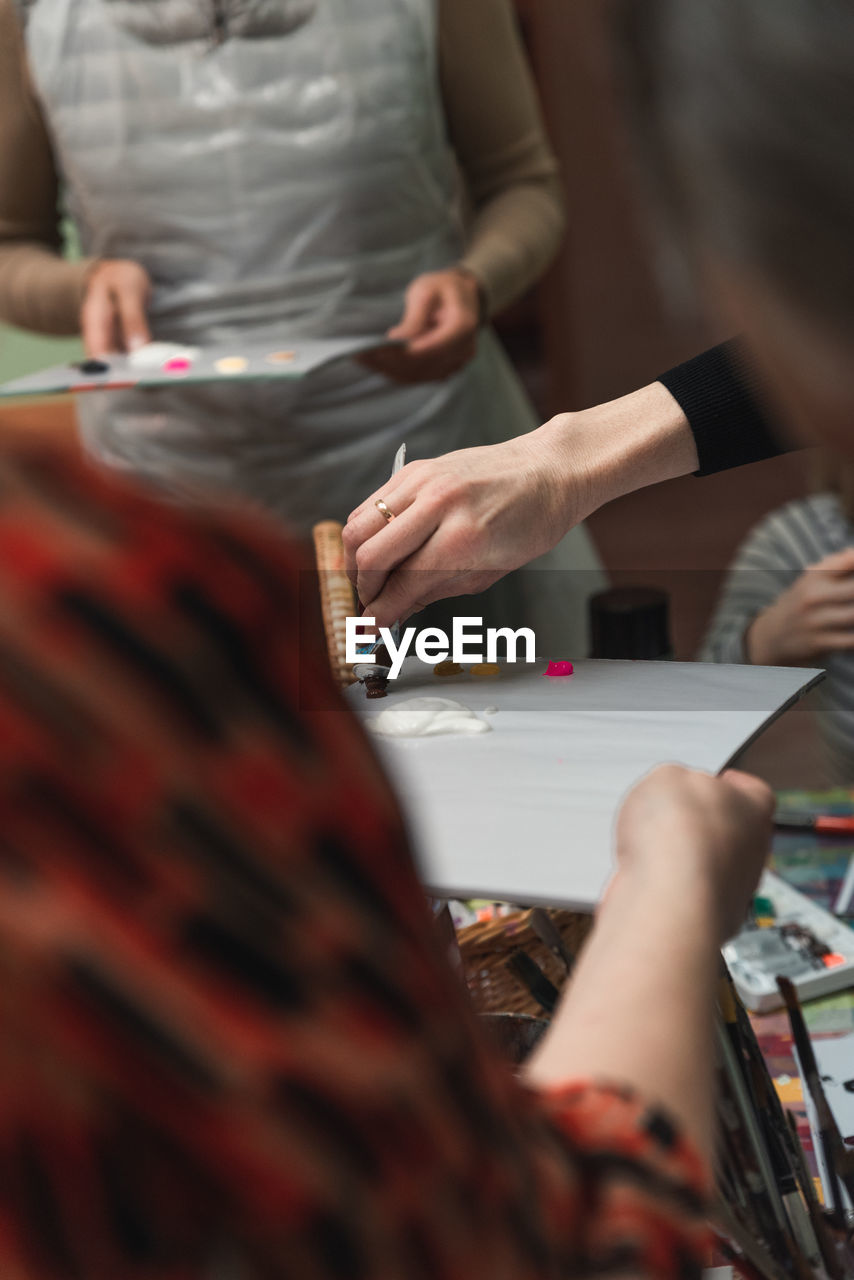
178	364
560	669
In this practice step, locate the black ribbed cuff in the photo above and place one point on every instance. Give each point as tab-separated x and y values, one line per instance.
718	394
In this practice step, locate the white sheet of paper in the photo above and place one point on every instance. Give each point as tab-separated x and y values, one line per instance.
525	813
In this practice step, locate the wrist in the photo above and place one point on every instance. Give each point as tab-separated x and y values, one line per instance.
672	889
761	644
480	298
612	449
755	648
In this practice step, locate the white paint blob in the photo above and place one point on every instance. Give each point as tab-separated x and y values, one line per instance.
427	718
152	355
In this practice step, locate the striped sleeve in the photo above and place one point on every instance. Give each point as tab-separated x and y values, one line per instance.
771	558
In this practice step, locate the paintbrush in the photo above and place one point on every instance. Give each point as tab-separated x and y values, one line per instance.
758	1258
734	1059
756	1171
820	1225
839	1160
743	1266
823	824
786	1161
736	1179
529	973
786	1157
550	936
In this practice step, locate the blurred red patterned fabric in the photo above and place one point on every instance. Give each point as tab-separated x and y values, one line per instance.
231	1048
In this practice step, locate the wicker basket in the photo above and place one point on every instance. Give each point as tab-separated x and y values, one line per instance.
486	947
337	597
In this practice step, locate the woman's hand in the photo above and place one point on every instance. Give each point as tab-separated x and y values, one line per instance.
113	315
461	522
439	329
464	520
700	835
811	618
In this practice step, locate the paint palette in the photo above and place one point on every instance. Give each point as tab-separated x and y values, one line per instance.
785	947
164	364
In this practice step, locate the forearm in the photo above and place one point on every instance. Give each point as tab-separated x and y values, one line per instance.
639	1009
602	453
39	290
496	132
513	239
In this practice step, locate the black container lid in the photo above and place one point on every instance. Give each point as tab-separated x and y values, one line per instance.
630	622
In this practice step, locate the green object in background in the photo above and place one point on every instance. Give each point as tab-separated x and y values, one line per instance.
22	353
830	1015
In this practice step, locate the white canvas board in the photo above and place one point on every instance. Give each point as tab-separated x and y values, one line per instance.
290	359
525	813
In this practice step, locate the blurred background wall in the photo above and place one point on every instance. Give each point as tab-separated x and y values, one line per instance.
599	327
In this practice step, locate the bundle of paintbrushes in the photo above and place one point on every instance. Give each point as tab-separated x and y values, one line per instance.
768	1213
838	1159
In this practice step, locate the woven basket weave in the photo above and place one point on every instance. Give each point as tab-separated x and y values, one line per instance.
337	597
486	947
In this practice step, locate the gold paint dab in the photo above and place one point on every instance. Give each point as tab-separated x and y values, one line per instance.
484	669
281	357
447	668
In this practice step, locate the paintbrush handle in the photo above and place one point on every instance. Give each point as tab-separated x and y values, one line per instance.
532	977
550	936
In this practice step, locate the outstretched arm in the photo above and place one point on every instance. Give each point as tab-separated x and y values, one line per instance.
472	516
465	520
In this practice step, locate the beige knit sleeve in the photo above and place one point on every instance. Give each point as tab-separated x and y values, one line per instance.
38	289
497	133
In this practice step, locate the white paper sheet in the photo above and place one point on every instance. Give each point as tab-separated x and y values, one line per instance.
525	813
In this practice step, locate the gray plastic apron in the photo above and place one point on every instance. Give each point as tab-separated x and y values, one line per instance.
274	188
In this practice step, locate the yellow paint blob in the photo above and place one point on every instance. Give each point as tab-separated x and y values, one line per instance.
232	364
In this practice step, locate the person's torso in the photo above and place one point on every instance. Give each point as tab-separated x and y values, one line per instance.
299	180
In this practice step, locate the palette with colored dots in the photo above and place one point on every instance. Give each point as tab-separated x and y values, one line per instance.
787	934
163	364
